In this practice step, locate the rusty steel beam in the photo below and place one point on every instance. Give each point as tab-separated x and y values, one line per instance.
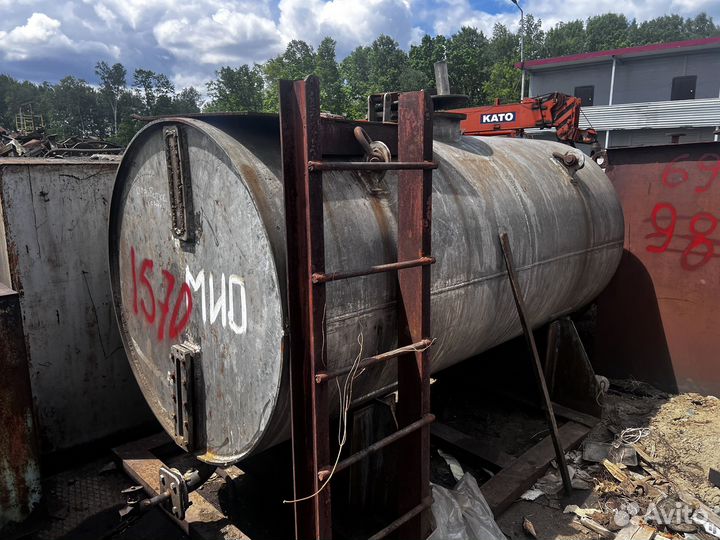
415	144
300	139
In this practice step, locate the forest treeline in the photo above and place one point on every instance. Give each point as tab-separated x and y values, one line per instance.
480	66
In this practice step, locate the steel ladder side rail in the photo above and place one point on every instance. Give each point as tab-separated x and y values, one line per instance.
310	419
303	183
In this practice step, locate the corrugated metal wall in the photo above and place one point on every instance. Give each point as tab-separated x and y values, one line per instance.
653	115
55	216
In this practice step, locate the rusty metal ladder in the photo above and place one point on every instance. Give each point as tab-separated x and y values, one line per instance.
303	165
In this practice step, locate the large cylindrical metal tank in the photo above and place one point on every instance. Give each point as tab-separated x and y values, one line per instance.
224	291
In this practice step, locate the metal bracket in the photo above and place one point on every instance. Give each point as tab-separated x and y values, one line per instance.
182	381
173	482
573	161
178	171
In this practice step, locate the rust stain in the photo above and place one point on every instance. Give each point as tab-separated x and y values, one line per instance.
656	319
19	449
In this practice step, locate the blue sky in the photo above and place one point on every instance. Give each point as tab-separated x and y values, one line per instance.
189	39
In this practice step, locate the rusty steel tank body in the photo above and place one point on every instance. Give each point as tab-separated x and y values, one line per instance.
223	291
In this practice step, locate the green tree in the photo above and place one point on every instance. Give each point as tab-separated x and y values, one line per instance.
386	62
504	45
129	103
75	109
14	94
164	95
236	90
355	71
297	62
534	43
503	83
188	100
660	30
332	93
702	26
113	81
608	31
144	85
565	38
468	63
155	91
422	57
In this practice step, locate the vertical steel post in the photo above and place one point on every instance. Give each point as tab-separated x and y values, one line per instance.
300	143
414	217
610	98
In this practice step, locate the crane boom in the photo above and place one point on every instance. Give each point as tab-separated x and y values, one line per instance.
555	110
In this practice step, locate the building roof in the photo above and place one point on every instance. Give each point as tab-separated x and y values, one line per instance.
626	52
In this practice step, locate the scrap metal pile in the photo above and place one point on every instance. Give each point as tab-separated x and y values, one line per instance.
38	143
650	466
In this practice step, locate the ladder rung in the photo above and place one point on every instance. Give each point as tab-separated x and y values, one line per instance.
382	443
318	277
407	516
371	165
323	376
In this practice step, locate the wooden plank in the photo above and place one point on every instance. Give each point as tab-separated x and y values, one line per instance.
506	487
484	450
202	520
576	416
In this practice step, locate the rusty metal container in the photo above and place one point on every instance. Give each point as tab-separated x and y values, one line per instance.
657	318
19	455
221	292
53	251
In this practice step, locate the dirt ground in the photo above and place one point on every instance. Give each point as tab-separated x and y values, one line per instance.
680	445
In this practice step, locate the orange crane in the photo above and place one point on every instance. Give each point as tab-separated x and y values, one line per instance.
555	110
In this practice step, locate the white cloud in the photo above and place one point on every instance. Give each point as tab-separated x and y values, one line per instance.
224	37
349	22
190	39
40	36
39	28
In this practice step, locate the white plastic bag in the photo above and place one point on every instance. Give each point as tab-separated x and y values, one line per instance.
462	513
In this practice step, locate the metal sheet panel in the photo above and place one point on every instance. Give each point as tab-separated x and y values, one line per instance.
653	115
566	234
19	467
657	319
55	215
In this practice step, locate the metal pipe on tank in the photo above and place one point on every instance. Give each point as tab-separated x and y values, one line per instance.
442	80
220	297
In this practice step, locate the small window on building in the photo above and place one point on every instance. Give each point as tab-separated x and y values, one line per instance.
586	94
683	87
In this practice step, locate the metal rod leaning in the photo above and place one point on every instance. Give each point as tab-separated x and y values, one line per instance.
537	366
323	376
377	269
